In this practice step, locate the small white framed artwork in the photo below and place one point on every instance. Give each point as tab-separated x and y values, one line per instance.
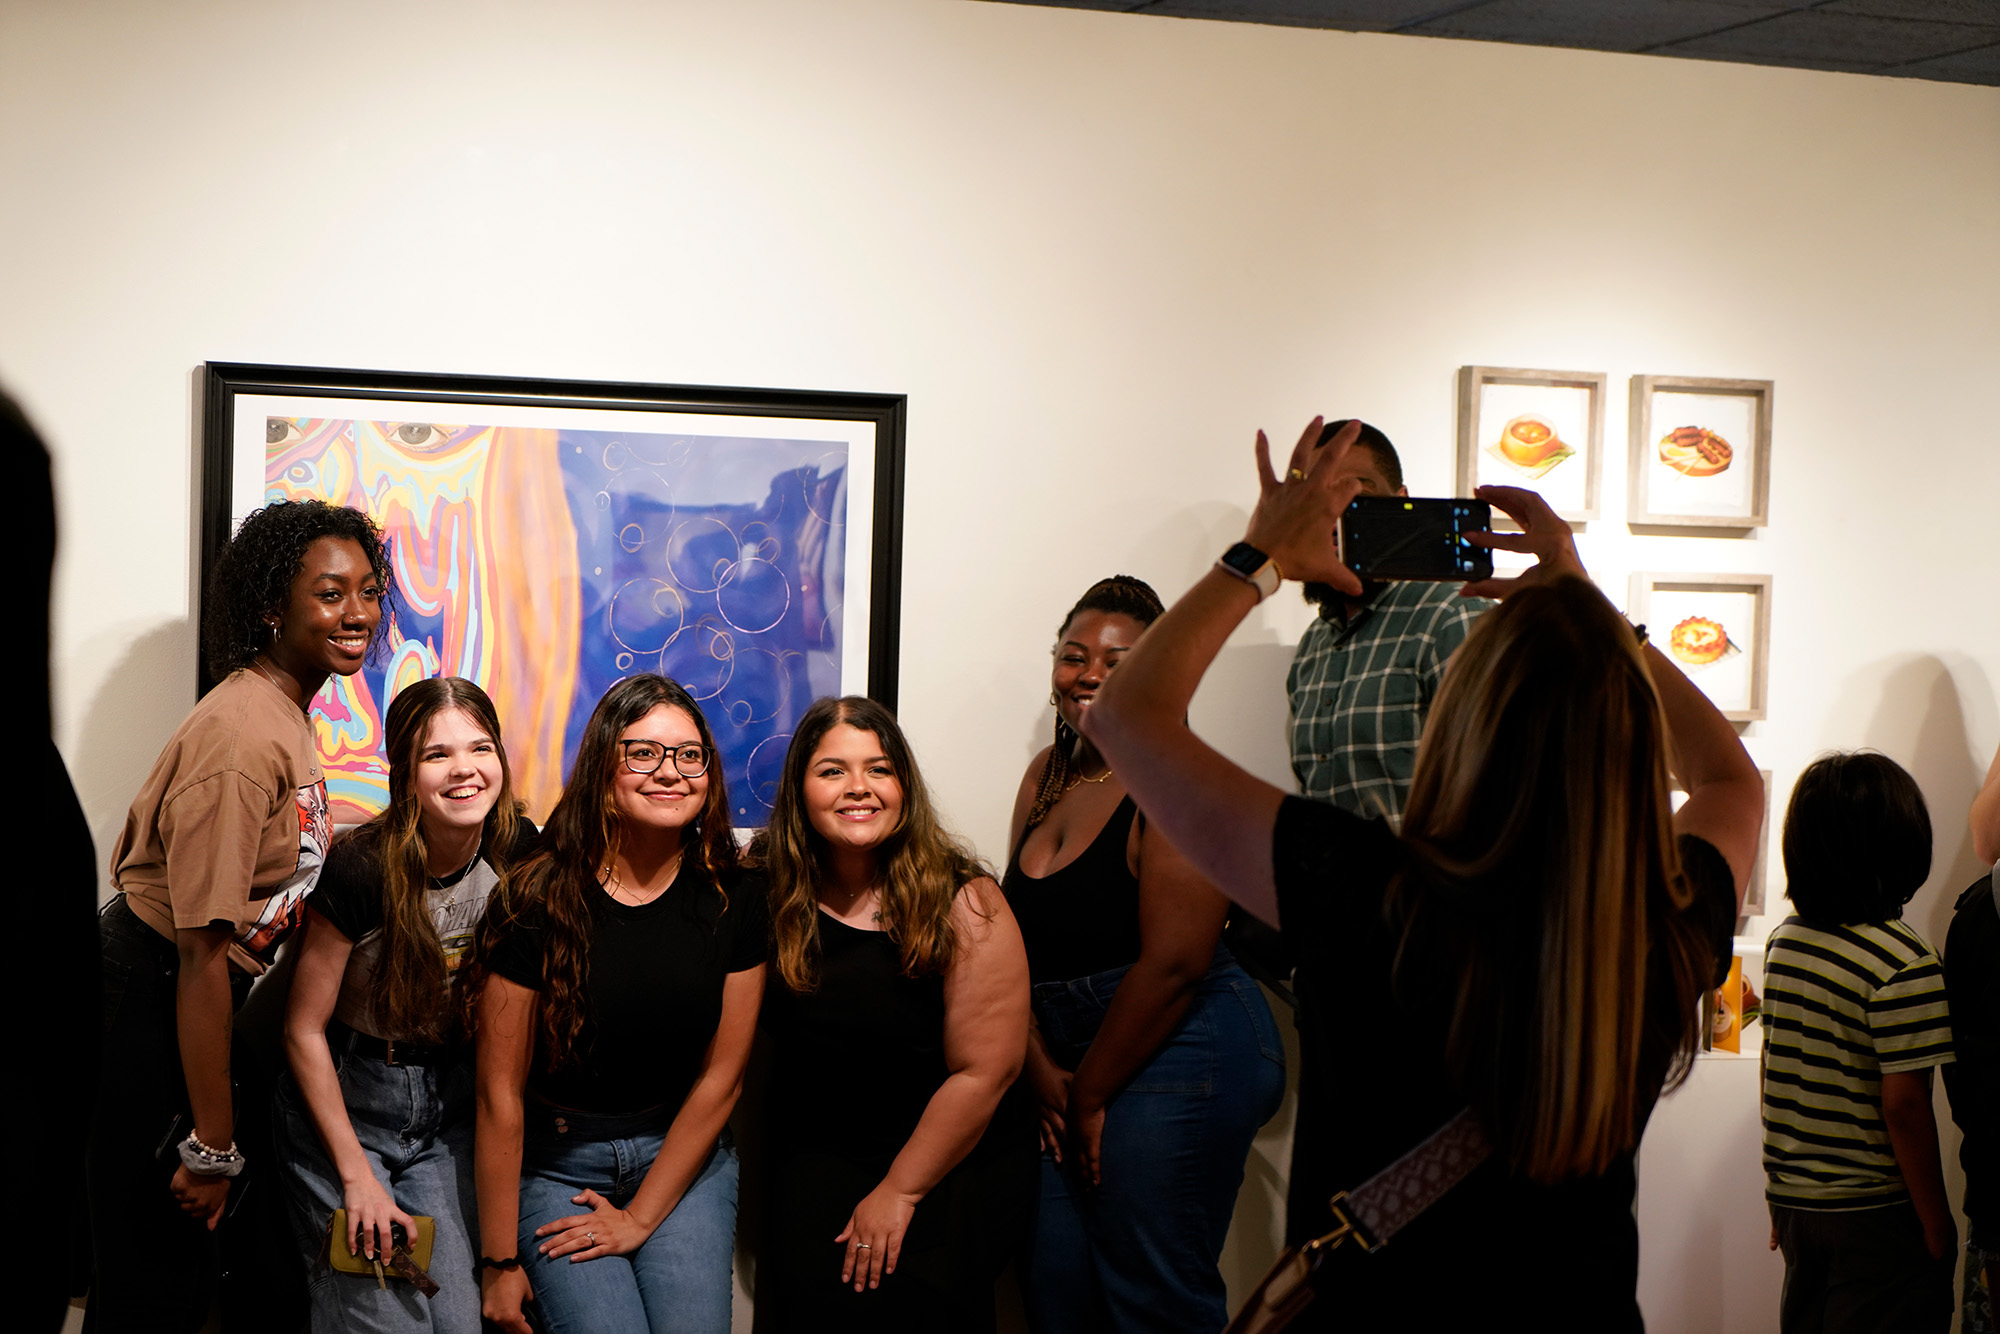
1543	430
1714	627
1700	452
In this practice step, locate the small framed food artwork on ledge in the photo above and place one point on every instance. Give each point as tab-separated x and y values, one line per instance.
1543	430
1700	453
1716	628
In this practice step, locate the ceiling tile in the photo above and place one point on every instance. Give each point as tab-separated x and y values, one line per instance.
1632	25
1938	11
1818	35
1980	66
1349	15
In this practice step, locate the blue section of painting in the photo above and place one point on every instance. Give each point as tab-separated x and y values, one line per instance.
715	561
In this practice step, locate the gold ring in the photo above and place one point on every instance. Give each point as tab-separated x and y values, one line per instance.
1295	476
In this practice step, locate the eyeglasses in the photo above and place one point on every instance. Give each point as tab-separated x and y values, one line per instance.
645	757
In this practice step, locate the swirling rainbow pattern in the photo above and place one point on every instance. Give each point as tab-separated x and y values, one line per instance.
548	564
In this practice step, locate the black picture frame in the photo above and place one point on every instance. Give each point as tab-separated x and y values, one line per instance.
876	421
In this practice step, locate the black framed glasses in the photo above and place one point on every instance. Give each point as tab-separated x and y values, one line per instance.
645	757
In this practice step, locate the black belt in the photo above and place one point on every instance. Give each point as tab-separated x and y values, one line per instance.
389	1051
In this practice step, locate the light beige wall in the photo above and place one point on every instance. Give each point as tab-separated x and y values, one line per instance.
1096	251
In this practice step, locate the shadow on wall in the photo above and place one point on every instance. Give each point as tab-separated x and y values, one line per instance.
127	723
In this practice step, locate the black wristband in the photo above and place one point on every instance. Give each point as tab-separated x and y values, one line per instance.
485	1263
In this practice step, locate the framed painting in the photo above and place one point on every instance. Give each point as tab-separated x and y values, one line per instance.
1543	430
551	537
1716	628
1700	453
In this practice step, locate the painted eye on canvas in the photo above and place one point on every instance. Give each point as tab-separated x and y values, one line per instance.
419	435
281	431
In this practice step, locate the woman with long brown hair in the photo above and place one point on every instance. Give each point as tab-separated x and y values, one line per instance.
1154	1057
1532	946
376	1115
900	1010
619	977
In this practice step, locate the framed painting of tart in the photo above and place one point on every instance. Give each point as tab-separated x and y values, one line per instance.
1700	453
551	537
1714	627
1543	430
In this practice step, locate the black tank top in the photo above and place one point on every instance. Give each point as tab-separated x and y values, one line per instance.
1084	917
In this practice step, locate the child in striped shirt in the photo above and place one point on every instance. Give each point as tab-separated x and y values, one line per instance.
1855	1016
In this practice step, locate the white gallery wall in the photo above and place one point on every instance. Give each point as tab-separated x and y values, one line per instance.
1096	251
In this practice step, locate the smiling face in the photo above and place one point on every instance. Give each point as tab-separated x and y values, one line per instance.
663	799
458	775
852	795
325	626
1092	643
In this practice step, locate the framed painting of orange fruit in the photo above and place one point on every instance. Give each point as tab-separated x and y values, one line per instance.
1543	430
1714	627
1700	453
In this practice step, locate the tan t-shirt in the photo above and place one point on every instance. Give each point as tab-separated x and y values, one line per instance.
231	825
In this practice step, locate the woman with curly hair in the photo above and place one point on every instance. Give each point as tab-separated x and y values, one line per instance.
1154	1057
376	1115
218	853
619	974
901	1008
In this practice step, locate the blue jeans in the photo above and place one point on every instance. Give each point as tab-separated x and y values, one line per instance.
415	1126
679	1281
1140	1251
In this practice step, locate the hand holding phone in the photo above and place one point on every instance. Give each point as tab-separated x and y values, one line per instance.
1412	537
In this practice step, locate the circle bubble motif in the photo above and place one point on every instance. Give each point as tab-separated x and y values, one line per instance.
754	596
631	537
702	661
660	451
645	615
759	688
615	455
765	769
700	553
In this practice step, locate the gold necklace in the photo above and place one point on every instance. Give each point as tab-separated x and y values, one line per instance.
1075	779
614	885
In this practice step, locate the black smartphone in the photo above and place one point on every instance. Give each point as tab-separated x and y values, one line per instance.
1410	537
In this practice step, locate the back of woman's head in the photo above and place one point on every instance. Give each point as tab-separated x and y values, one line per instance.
413	971
1544	875
1857	840
920	866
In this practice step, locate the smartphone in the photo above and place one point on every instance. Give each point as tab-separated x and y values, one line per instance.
1410	537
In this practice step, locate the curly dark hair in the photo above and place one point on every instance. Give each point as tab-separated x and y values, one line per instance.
254	575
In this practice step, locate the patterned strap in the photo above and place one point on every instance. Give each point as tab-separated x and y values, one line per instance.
1383	1205
402	1265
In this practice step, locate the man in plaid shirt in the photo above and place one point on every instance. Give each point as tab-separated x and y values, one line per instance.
1367	668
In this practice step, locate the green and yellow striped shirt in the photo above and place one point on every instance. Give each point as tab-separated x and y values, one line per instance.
1843	1006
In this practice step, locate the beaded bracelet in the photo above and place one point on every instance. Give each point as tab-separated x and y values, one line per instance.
201	1160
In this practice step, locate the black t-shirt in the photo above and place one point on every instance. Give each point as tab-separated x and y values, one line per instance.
1972	980
1082	918
1374	1085
653	988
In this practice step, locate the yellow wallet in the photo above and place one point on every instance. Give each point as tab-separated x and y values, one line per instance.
417	1248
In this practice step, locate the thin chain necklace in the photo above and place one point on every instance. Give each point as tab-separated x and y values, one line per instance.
616	886
1075	779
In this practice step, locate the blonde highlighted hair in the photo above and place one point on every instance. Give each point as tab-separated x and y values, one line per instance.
921	866
1542	908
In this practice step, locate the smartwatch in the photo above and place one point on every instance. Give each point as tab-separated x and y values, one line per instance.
1252	567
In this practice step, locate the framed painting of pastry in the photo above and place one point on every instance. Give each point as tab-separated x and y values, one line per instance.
1716	628
1543	430
1700	452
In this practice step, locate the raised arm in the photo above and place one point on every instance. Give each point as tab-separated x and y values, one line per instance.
985	1034
506	1045
322	963
1180	919
609	1230
1215	812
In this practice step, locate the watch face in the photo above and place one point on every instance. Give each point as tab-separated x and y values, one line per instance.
1245	559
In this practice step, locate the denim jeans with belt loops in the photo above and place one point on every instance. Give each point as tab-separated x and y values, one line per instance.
1140	1250
414	1123
678	1282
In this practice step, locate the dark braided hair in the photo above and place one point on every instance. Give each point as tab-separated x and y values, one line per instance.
1120	595
254	575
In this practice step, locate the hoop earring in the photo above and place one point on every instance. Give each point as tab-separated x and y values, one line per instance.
1053	701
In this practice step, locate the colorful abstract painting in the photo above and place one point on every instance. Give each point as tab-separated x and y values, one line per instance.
549	553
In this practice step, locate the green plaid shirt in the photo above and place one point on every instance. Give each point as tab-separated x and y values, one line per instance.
1360	693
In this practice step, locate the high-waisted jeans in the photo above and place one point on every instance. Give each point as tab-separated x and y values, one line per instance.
679	1281
414	1123
1140	1250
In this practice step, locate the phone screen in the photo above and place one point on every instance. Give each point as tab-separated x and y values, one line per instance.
1410	537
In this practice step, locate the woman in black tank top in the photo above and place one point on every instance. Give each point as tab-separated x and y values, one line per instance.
1154	1058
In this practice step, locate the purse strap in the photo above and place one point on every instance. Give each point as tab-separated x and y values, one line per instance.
1389	1201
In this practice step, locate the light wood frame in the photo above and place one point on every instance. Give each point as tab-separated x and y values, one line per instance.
1473	379
1639	608
1639	510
